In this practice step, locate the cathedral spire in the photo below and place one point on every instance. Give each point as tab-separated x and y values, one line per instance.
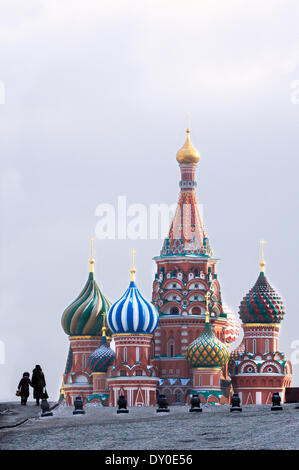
187	235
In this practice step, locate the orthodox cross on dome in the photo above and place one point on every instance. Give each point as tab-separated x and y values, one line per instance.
207	297
104	328
91	261
188	121
133	269
262	262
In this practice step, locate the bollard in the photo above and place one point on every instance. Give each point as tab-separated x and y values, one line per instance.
122	405
78	404
235	403
195	404
162	404
276	400
45	408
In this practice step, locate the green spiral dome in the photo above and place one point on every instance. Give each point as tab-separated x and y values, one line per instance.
84	317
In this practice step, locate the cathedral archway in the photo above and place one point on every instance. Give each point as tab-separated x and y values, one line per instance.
174	311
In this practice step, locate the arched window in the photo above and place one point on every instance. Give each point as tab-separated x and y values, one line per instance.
81	379
266	346
196	311
171	350
174	311
137	354
178	396
83	361
254	346
125	354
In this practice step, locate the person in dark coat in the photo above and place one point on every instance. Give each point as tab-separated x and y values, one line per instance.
24	388
38	383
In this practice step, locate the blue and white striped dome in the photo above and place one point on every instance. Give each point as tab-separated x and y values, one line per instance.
132	313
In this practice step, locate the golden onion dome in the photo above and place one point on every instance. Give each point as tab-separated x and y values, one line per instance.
188	154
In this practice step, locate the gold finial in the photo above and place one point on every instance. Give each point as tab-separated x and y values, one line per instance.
62	391
207	297
91	261
133	270
262	262
188	154
104	328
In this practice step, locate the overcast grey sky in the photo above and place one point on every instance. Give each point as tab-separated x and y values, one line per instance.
96	95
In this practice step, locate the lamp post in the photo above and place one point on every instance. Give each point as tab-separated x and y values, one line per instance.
276	402
235	403
162	404
45	408
122	405
195	404
78	404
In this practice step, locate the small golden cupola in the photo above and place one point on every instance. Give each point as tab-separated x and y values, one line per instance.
188	154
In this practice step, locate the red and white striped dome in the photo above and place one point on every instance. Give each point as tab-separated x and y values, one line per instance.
233	326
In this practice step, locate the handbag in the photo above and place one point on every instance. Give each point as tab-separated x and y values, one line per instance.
45	394
18	393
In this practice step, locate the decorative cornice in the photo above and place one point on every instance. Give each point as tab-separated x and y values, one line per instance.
132	378
261	325
118	335
96	338
196	258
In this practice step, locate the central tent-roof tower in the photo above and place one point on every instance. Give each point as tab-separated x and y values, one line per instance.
187	235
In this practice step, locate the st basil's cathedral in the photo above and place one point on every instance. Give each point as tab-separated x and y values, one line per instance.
178	344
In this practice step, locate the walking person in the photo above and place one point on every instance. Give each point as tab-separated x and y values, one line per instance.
24	388
38	383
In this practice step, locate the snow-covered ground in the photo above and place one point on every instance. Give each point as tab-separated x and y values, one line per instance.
257	427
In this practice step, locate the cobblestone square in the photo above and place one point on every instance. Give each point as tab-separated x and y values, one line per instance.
256	427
